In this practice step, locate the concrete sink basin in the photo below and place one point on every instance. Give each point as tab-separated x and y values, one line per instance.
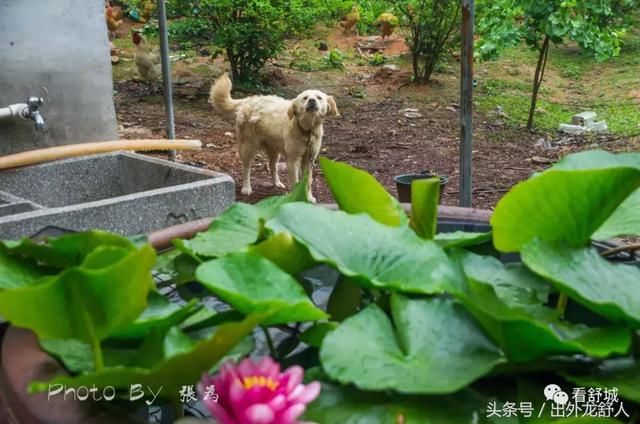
122	192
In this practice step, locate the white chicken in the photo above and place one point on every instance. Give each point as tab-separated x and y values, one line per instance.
147	60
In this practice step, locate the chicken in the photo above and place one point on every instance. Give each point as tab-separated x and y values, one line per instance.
386	24
148	9
147	61
351	19
113	15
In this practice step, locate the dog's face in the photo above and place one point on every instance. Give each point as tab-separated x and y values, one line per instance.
313	103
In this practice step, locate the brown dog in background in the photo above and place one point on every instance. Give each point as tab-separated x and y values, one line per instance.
277	126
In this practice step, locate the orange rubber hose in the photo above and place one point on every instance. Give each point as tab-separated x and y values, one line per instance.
83	149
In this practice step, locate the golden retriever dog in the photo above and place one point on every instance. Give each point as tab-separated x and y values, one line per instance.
277	126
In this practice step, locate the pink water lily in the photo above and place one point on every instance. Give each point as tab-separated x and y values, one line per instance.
257	393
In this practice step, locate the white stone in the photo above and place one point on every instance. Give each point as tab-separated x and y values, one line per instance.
584	118
572	129
600	126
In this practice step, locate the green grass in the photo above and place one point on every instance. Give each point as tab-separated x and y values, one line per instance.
548	115
574	82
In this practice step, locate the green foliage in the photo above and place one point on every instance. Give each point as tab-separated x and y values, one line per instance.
395	259
372	198
250	283
598	192
168	361
251	31
370	10
335	59
370	352
377	59
431	24
597	26
425	195
415	330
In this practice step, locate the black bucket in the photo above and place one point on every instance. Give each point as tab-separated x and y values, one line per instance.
403	184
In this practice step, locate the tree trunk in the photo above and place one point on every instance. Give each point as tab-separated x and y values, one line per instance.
416	67
537	79
233	63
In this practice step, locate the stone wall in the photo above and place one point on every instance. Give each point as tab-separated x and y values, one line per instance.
57	50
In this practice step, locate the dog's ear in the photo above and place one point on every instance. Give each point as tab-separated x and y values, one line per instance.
333	108
292	110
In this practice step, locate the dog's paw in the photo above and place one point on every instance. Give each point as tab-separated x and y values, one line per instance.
246	190
311	198
279	185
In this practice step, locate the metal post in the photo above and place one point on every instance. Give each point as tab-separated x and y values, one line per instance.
466	102
166	74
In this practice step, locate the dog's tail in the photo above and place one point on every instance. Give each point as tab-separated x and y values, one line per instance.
220	96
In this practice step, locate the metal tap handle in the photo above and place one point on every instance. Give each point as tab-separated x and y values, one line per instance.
32	112
34	103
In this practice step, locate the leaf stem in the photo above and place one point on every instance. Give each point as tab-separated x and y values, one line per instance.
624	248
272	347
561	306
98	360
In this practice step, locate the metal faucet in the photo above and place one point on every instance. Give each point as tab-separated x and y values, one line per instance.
29	110
32	112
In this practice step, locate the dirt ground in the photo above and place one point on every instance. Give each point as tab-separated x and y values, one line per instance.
382	129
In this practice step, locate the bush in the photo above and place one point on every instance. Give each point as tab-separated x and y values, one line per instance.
369	12
377	59
431	24
335	59
250	31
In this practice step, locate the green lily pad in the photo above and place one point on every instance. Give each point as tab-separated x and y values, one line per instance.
284	251
424	206
506	301
608	289
391	258
623	374
435	348
561	205
182	368
346	405
598	159
160	312
78	356
357	191
16	271
314	335
176	267
65	251
251	283
237	227
232	231
461	239
624	221
87	302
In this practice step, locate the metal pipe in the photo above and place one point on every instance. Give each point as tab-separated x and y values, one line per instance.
12	111
166	74
466	102
27	111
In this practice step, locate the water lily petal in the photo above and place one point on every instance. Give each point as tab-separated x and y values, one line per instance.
293	376
236	392
268	368
219	413
291	415
307	394
246	368
278	403
260	414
